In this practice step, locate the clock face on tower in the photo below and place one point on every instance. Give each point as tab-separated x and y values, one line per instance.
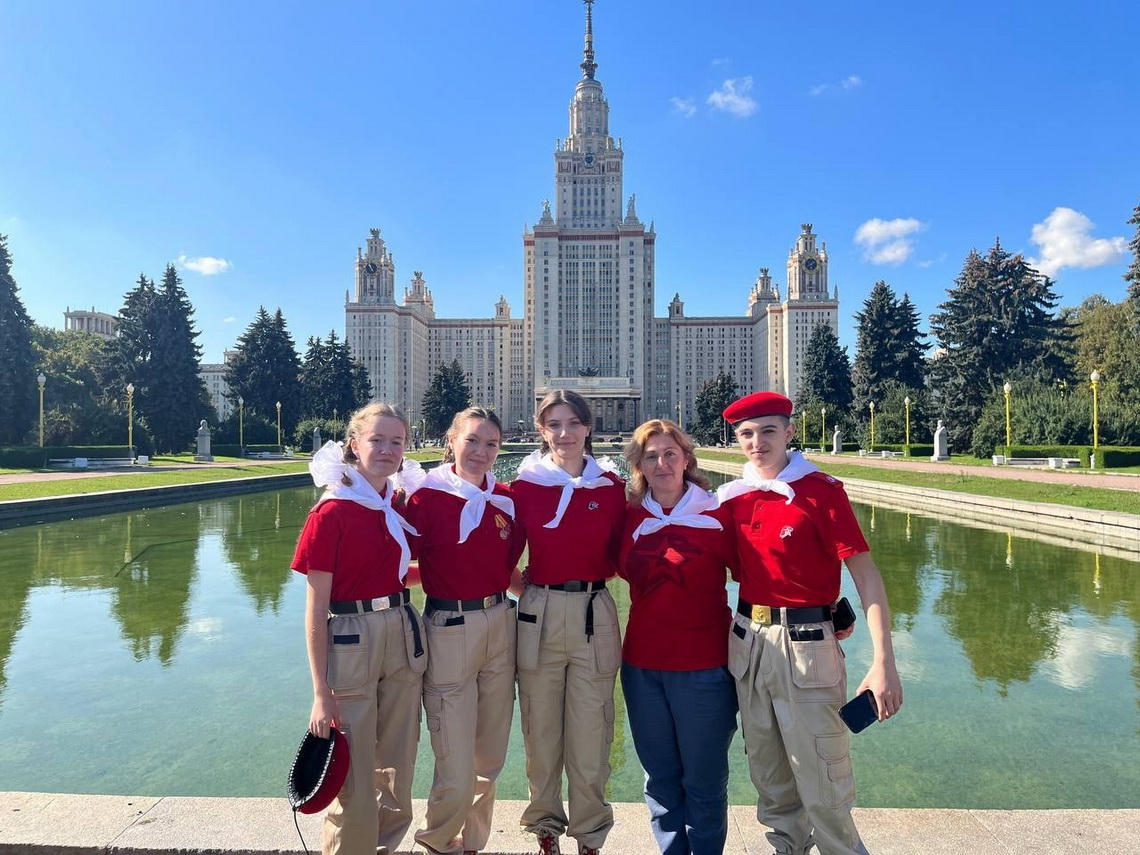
370	268
810	263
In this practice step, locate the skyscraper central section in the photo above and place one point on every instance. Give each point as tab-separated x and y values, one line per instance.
588	277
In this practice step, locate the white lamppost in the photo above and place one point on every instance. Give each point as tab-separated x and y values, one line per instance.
41	380
241	426
1007	388
279	424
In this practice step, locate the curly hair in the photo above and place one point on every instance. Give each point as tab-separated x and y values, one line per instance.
635	451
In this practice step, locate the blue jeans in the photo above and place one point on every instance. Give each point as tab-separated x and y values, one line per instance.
682	724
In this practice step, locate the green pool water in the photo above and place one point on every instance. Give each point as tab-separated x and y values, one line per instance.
161	652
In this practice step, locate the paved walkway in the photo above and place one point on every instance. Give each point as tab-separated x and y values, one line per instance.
85	825
72	475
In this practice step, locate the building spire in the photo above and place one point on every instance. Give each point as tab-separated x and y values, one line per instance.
588	64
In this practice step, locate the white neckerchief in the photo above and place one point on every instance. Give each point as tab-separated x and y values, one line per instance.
327	468
798	466
538	468
689	511
444	479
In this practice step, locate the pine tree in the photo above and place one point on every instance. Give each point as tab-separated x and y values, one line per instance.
266	369
910	369
175	397
19	391
709	426
446	395
1132	275
997	323
889	347
826	380
329	379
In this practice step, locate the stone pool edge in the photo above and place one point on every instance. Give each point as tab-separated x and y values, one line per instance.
68	824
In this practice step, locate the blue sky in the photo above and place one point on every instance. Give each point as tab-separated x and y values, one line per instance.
255	143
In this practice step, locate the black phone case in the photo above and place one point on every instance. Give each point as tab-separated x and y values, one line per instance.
844	616
859	713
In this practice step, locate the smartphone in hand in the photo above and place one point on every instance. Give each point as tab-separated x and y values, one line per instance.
843	616
860	712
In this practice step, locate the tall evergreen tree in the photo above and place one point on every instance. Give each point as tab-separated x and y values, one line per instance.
709	426
889	347
997	322
826	379
266	369
19	392
1132	274
329	379
174	399
446	395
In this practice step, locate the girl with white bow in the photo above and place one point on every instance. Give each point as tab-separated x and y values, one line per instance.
468	546
679	696
365	639
571	508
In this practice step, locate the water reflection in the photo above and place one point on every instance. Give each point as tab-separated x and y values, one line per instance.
168	621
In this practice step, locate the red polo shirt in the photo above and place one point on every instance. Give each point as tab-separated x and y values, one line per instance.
478	567
678	615
790	555
353	543
587	540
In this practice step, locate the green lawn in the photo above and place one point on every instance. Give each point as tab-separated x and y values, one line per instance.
1094	498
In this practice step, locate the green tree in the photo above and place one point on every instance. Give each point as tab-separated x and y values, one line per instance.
889	347
174	398
81	395
1106	339
709	426
446	395
265	369
19	393
998	321
826	379
329	379
1132	274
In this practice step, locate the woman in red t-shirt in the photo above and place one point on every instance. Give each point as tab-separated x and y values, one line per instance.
679	696
468	546
570	508
365	639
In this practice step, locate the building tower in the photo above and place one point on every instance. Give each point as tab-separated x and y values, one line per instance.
588	270
808	304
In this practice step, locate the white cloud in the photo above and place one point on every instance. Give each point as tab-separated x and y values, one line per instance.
205	265
1081	652
229	320
851	81
1065	239
888	241
721	61
684	107
733	97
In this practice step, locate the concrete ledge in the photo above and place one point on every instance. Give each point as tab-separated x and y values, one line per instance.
30	511
51	824
1104	531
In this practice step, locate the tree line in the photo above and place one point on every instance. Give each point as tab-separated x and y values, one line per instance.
999	324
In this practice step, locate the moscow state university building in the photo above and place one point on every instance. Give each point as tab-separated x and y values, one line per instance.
587	321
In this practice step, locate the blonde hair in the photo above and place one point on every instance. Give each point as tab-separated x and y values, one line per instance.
355	428
635	451
484	413
576	403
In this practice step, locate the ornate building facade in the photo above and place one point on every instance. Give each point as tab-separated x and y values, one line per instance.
588	319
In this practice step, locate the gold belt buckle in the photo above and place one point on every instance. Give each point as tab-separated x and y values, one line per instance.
762	615
490	601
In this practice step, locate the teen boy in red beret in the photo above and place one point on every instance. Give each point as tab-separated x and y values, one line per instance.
794	530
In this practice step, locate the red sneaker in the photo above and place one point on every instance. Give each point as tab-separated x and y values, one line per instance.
548	845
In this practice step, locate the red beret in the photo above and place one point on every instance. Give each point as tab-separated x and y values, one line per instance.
319	771
757	405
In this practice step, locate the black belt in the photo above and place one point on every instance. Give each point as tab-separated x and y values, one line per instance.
576	587
466	605
379	604
785	616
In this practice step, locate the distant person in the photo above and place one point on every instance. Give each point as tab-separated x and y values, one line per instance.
468	545
364	637
680	698
794	530
570	508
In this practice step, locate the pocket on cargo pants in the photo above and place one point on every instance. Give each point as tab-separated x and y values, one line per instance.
531	610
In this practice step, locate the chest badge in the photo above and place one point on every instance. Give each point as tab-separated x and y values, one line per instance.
593	506
504	526
786	531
